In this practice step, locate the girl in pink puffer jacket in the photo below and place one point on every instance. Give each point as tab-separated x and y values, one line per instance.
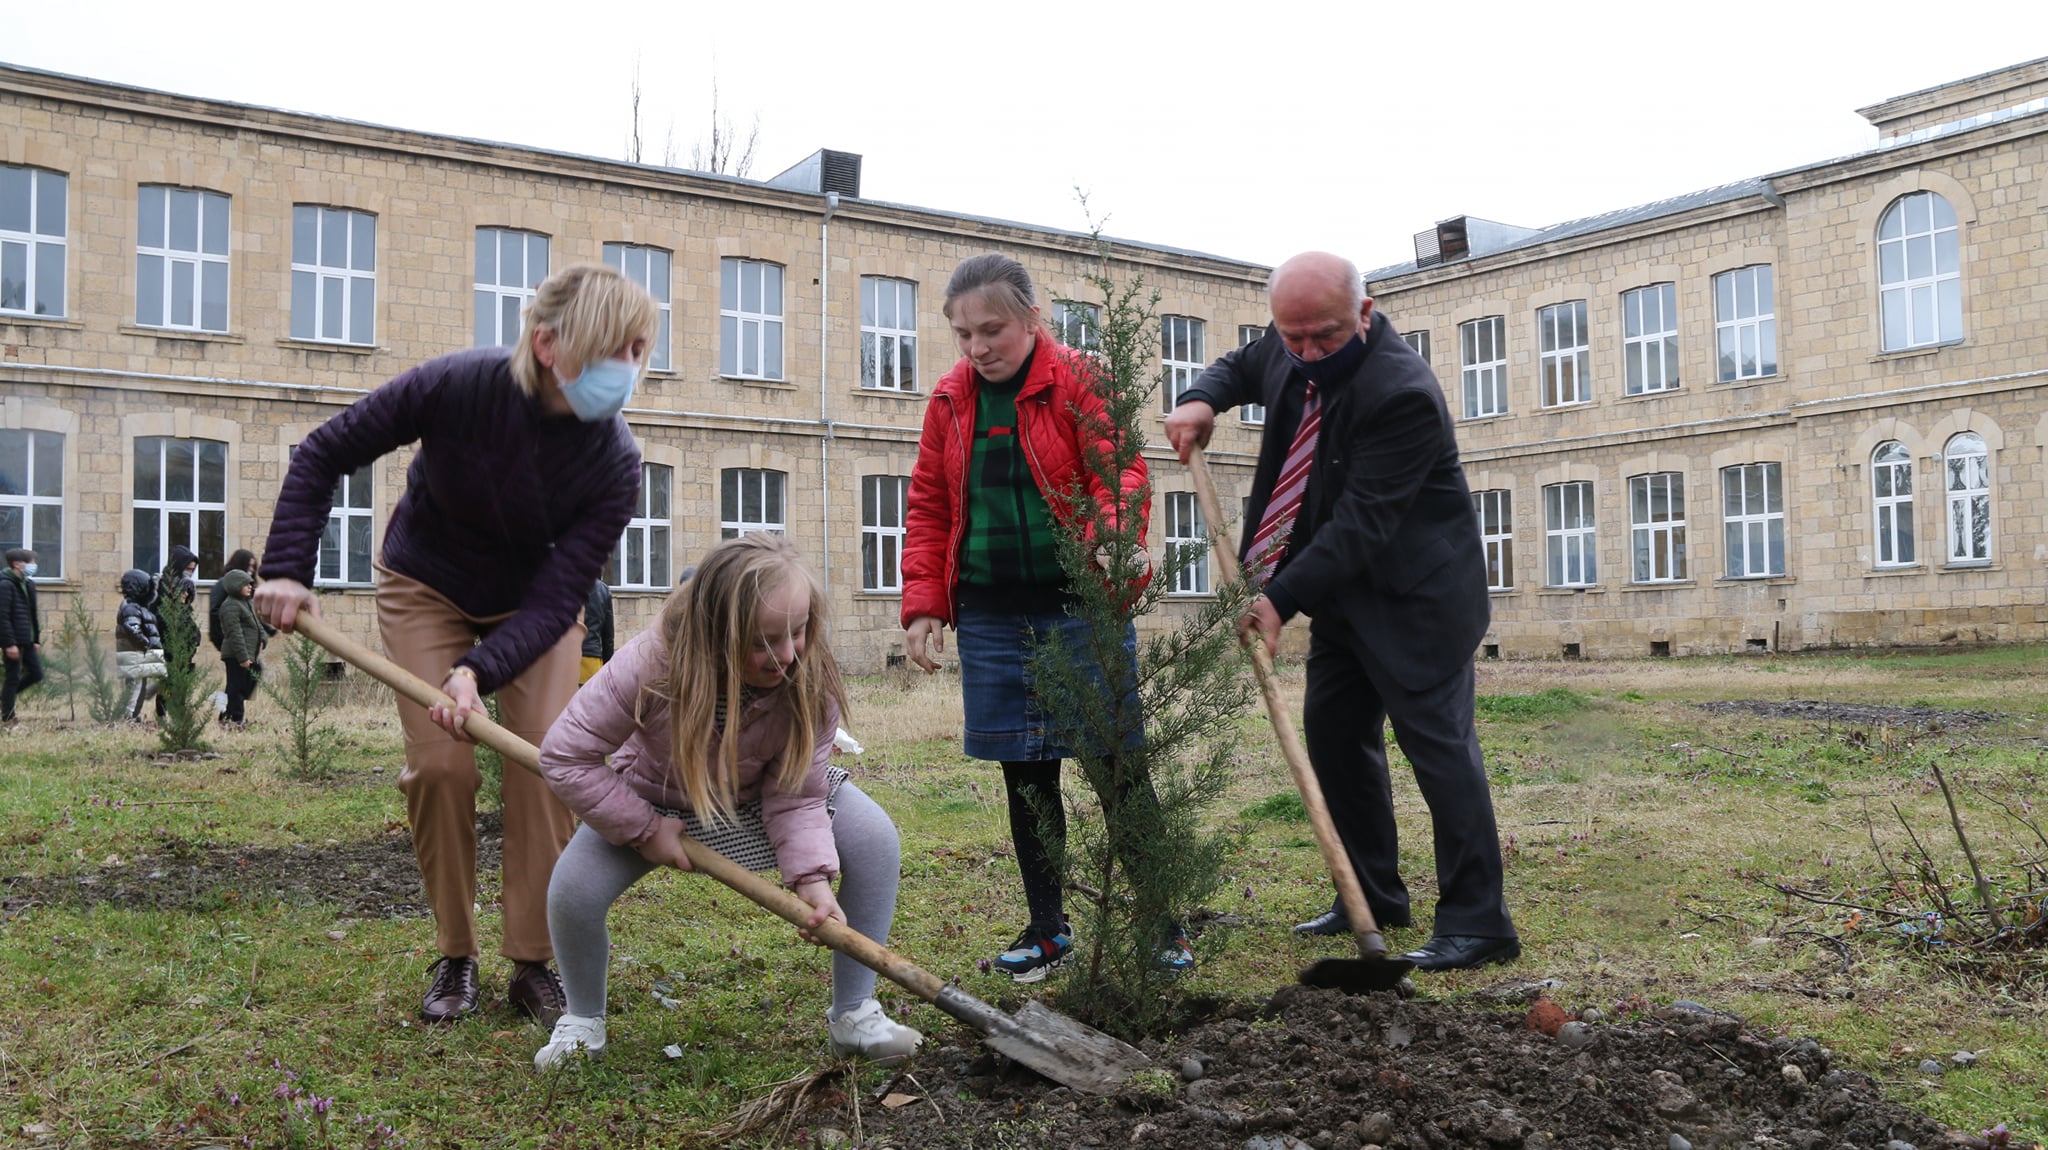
744	637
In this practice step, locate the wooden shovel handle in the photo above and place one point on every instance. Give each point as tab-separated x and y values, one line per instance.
1349	893
760	891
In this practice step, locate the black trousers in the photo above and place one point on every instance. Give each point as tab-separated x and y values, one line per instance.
241	685
1349	702
22	674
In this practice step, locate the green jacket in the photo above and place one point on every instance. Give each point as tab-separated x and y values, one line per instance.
241	635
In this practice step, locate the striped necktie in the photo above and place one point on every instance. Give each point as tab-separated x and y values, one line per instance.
1269	542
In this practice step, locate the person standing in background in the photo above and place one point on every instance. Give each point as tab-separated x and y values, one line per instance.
597	631
21	629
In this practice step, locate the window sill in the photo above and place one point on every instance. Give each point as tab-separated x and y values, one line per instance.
642	592
864	593
181	333
1659	585
1594	589
1660	393
1749	381
759	381
885	393
1914	352
324	345
1502	592
1972	565
1547	408
1769	580
24	320
319	586
1895	572
1483	418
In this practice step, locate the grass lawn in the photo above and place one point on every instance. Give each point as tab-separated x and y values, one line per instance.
1650	844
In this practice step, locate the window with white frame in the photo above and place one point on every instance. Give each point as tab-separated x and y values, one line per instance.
1745	324
1656	514
1483	360
1649	338
750	499
883	499
641	560
1181	354
1562	353
1495	508
1753	520
32	496
1919	272
1078	325
1253	414
181	259
749	319
1569	559
648	267
888	334
1186	536
1891	494
509	266
180	498
1419	340
334	275
33	222
346	542
1966	463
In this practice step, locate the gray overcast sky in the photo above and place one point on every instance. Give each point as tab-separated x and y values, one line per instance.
1251	131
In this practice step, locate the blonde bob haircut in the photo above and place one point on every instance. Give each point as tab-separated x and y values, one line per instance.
709	628
593	311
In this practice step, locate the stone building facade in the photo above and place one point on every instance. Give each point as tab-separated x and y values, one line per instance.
187	287
1804	410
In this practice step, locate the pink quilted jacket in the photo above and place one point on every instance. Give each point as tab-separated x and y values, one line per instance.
618	798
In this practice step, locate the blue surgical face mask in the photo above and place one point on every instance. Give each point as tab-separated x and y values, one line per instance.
29	569
1334	367
602	390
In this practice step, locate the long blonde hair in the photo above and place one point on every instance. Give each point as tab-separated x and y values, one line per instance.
709	627
593	311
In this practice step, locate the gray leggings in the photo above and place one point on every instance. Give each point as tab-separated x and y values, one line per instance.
593	873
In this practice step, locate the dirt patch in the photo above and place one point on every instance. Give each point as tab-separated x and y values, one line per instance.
1855	714
376	879
1318	1069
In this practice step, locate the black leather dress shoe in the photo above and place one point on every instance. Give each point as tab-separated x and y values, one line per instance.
1335	922
1463	952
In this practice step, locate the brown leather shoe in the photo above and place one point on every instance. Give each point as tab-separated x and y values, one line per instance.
454	991
537	992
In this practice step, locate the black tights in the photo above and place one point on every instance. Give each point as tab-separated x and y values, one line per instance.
1039	779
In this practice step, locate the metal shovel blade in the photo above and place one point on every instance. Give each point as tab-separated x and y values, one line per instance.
1357	975
1066	1051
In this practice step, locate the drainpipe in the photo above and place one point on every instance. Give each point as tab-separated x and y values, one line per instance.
824	386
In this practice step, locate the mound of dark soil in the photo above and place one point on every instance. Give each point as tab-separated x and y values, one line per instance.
1317	1069
1855	714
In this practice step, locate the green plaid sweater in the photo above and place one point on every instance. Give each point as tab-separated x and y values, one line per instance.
1009	540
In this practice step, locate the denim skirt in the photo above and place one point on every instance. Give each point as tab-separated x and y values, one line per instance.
1006	720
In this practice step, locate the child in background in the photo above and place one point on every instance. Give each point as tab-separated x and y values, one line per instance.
241	642
718	723
138	641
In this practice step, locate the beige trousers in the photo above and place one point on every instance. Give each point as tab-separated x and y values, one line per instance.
425	633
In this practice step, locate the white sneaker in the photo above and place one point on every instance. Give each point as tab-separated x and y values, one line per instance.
220	702
868	1033
573	1032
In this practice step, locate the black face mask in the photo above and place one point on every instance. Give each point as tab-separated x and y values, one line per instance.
1334	367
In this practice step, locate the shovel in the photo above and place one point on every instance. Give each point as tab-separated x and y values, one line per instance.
1041	1038
1374	969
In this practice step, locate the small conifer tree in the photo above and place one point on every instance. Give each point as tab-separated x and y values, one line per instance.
311	746
1158	725
77	665
185	688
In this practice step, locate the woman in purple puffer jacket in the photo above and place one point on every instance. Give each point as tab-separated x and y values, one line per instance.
526	475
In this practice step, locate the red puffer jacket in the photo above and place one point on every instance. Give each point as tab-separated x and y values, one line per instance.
1046	405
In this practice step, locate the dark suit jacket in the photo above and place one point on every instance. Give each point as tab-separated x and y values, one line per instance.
1387	541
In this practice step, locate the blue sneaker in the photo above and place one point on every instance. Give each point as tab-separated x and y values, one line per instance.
1035	953
1175	956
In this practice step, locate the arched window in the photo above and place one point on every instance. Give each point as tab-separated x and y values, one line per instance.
1967	468
1921	286
1891	493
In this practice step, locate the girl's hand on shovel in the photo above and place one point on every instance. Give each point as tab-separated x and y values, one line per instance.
818	892
665	846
